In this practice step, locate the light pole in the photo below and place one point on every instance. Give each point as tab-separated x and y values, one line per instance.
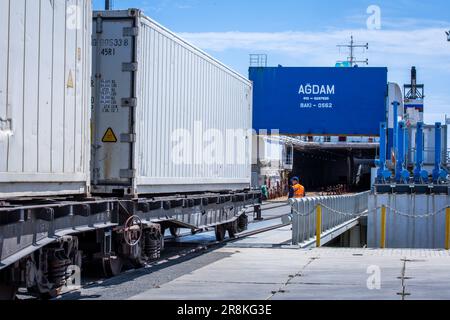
448	35
108	4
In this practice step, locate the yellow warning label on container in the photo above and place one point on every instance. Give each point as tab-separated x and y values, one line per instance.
109	136
70	80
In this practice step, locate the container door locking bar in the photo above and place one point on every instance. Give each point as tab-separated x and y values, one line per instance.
130	32
129	67
128	138
127	173
129	102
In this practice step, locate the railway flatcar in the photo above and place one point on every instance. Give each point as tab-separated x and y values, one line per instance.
113	130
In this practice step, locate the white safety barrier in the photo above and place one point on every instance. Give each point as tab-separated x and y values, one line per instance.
311	217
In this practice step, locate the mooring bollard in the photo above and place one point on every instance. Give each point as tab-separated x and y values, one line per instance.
257	210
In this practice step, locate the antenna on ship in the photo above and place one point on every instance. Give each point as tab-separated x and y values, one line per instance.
351	60
109	4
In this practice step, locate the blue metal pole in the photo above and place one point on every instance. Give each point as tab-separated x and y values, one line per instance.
438	173
382	173
401	174
400	156
437	151
395	104
420	175
407	148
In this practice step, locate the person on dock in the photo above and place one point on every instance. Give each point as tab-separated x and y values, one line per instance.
296	190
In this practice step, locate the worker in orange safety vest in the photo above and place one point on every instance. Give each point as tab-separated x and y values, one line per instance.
296	190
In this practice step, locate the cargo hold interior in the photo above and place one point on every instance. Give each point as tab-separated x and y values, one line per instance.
319	169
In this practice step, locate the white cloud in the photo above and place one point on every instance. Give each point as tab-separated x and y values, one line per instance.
426	42
398	50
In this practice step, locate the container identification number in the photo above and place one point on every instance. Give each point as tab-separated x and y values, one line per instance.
108	52
111	42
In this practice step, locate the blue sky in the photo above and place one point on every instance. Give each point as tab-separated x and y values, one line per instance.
305	33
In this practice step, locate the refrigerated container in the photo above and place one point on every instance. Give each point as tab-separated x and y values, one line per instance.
45	73
154	95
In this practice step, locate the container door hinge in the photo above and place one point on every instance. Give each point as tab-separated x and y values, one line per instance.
5	124
127	173
130	67
127	138
133	12
130	32
129	102
99	25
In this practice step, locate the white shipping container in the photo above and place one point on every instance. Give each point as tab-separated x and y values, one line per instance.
45	72
154	92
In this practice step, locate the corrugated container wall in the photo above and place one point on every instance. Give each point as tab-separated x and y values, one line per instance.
45	67
155	92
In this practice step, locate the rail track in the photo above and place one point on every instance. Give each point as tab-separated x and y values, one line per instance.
175	248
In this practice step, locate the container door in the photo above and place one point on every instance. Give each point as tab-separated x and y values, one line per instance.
113	91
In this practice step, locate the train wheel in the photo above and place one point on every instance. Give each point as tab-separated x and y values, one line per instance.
112	266
7	292
175	232
220	232
232	229
152	244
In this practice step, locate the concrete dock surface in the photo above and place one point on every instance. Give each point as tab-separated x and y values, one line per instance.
264	267
317	274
